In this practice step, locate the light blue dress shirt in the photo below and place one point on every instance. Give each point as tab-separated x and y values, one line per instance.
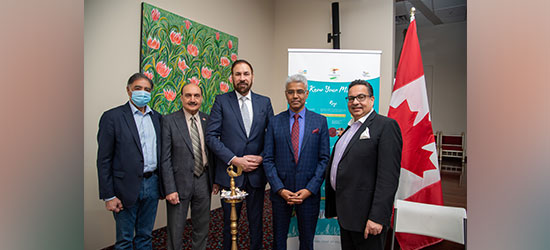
147	137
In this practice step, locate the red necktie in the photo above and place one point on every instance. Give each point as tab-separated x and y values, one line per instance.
295	137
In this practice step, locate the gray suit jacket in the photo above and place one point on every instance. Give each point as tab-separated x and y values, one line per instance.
177	155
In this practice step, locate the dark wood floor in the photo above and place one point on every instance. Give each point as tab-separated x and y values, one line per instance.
454	194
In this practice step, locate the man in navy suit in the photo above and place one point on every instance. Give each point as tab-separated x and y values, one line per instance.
127	165
296	153
235	134
363	172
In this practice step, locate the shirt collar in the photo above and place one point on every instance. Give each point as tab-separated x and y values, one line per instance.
189	115
362	119
249	95
134	109
302	113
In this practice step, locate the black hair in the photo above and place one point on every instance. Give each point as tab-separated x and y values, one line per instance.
137	76
362	82
241	61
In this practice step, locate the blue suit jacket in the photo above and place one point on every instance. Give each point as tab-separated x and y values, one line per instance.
119	154
279	165
226	136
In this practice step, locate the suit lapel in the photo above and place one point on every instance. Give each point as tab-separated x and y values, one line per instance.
181	123
234	103
357	134
204	122
255	111
155	117
129	118
307	130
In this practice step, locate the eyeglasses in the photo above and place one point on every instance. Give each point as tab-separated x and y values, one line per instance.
299	92
360	97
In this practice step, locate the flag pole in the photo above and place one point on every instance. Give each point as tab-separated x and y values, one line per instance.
413	10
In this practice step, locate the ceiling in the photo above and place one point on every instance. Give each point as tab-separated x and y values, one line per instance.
430	12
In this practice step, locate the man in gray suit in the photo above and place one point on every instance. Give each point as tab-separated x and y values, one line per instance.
186	170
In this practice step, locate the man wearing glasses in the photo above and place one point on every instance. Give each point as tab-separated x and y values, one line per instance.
363	173
296	153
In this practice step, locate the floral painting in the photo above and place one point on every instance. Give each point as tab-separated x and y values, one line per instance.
176	51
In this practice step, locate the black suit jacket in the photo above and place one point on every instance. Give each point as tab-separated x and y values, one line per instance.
367	176
119	154
177	161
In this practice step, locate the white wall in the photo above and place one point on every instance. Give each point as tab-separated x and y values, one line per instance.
265	30
364	24
443	49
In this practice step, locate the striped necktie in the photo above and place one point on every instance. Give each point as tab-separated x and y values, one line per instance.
197	152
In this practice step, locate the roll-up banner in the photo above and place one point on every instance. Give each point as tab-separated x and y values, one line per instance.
329	73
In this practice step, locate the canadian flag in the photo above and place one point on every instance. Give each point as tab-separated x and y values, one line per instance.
420	180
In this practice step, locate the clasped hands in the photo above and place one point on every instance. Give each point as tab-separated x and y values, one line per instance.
292	198
248	162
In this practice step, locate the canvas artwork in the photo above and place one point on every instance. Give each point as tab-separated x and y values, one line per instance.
176	51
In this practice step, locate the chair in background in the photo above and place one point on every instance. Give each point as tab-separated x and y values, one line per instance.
437	138
452	146
443	222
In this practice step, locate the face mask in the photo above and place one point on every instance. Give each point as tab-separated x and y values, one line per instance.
141	97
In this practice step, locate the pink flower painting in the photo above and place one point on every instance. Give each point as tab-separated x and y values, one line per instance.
192	49
194	80
148	74
206	73
182	65
175	37
170	95
153	43
162	69
155	14
224	61
176	51
224	87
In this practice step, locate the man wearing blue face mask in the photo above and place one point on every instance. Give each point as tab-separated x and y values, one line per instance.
127	162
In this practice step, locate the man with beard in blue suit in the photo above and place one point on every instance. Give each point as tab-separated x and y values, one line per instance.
235	134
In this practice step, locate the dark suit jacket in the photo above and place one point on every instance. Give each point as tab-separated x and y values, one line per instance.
177	161
367	177
279	165
226	136
119	154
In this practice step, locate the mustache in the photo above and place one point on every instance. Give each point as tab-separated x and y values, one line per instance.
192	103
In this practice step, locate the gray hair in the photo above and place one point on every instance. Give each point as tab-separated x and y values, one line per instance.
296	78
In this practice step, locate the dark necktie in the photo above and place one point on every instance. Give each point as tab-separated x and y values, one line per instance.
197	152
295	137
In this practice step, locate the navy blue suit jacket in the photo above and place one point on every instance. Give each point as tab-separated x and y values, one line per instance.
119	154
226	136
279	165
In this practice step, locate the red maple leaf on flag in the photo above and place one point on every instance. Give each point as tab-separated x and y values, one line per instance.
414	158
